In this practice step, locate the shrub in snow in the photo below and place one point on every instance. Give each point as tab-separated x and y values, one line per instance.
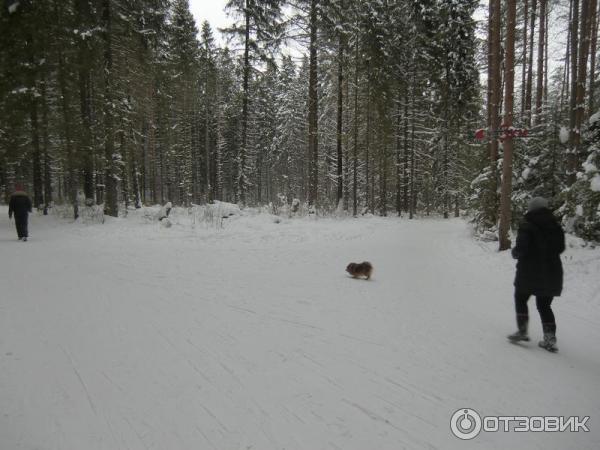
62	211
480	201
279	205
224	209
285	206
489	236
165	211
581	208
213	214
92	213
295	205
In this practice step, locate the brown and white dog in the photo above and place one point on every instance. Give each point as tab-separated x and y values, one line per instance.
363	269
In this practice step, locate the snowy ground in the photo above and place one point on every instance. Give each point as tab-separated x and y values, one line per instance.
129	335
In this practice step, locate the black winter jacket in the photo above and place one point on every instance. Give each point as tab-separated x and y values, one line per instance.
540	241
19	204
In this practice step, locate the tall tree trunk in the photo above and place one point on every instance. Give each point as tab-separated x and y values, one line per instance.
124	175
495	87
241	184
593	43
220	143
46	146
540	63
218	184
83	14
339	124
565	86
144	164
71	185
207	146
368	142
313	143
135	180
524	65
572	151
406	171
413	194
445	143
546	59
445	168
38	197
111	200
355	143
584	46
384	176
509	76
259	176
529	86
346	141
398	157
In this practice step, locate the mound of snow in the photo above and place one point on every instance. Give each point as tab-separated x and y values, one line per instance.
224	209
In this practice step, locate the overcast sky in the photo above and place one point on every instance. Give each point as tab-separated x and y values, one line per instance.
213	11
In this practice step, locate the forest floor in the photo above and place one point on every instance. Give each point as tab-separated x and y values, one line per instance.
130	335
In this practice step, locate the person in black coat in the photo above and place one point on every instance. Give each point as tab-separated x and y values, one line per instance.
540	241
20	206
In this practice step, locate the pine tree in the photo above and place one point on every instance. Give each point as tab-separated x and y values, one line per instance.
507	174
208	81
261	33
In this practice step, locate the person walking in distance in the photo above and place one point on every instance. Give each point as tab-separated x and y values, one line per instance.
540	241
20	206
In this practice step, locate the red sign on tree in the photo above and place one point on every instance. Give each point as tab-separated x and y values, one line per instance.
503	133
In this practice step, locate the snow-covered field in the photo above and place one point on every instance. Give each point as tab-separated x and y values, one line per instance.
130	335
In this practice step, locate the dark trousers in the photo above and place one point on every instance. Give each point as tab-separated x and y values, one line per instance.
21	224
543	306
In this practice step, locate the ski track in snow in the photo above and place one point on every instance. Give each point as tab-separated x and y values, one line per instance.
131	336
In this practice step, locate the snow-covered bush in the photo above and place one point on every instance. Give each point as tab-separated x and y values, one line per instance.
62	211
165	210
287	207
214	213
581	208
91	214
481	202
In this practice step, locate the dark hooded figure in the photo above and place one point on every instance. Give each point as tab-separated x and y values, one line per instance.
20	206
540	241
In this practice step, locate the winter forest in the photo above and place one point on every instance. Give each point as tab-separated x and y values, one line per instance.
286	229
126	103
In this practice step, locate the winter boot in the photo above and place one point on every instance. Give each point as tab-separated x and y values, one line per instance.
549	341
521	334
